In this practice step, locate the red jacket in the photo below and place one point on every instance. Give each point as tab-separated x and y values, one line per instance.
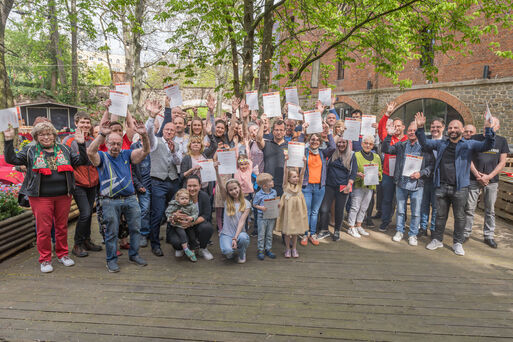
382	131
86	176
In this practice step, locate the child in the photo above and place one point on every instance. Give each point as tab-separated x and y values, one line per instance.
293	218
265	226
243	176
182	204
236	212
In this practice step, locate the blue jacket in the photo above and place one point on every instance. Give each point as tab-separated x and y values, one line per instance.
324	153
338	174
141	172
464	151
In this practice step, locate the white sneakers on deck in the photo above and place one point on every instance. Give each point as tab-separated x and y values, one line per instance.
205	253
412	240
46	267
354	232
362	231
458	249
66	261
434	244
398	237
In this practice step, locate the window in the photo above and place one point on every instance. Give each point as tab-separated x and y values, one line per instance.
117	61
289	65
343	109
34	112
91	58
99	59
432	108
340	70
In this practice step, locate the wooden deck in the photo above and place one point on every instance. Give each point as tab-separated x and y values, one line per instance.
366	289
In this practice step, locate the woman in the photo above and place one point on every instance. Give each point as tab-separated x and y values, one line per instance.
339	128
197	130
190	163
219	138
49	183
362	194
340	177
202	228
314	182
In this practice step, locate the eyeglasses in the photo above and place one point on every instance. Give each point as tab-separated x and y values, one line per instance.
45	135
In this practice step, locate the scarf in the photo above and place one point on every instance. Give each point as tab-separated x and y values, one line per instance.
40	163
313	151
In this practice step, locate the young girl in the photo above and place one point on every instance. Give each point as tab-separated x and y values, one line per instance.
293	218
182	205
237	208
243	176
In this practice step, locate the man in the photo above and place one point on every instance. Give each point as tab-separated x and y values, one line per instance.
274	156
181	139
290	130
387	184
428	195
408	186
164	177
484	175
86	180
469	131
452	176
117	190
331	120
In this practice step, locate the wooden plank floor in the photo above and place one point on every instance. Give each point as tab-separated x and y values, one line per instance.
367	289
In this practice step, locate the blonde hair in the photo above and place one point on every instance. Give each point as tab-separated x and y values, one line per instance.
292	169
230	201
263	178
42	127
182	191
202	134
196	139
346	156
339	124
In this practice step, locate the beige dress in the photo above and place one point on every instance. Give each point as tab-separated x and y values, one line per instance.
293	218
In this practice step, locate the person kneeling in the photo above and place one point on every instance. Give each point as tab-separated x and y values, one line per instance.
183	209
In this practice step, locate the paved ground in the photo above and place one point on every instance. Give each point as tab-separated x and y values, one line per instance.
366	289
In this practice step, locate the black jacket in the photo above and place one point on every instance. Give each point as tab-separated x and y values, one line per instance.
32	182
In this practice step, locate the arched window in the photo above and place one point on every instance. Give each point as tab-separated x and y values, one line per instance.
343	109
432	108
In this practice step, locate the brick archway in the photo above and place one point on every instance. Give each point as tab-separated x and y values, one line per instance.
348	100
451	100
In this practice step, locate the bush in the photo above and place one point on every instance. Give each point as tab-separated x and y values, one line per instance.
9	201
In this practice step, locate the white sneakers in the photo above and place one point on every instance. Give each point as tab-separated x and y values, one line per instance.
434	244
458	249
354	232
412	240
362	231
398	237
66	261
46	267
205	253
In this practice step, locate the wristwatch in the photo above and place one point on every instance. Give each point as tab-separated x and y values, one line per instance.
103	134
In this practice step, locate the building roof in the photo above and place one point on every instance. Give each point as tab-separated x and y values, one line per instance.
45	102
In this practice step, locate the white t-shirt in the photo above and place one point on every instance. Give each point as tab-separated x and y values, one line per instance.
230	223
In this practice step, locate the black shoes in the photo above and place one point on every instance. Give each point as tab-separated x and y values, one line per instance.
422	232
90	246
157	251
78	251
491	242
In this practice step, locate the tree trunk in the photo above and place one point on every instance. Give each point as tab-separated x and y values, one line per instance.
267	49
137	84
107	53
248	46
74	49
235	58
6	99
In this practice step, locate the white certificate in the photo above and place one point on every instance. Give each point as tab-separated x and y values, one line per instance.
227	162
9	116
252	99
271	206
125	87
119	104
272	104
296	153
207	171
352	131
291	95
314	120
293	112
370	174
325	96
174	94
412	164
391	165
367	122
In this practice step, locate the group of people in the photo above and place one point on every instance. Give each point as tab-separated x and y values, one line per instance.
142	175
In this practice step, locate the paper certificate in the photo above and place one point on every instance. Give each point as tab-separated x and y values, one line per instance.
325	96
252	99
272	104
367	121
9	116
119	104
314	120
174	94
370	174
227	162
296	153
272	211
125	87
412	164
293	112
291	95
207	171
352	131
391	165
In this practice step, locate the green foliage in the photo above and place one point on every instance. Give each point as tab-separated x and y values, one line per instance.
9	204
98	76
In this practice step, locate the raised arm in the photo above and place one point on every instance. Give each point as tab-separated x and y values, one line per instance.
139	154
11	156
487	144
92	150
130	126
222	189
260	137
382	126
427	144
303	170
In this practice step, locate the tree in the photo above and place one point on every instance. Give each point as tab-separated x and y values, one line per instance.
6	99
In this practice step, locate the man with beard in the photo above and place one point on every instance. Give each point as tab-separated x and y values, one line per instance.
452	176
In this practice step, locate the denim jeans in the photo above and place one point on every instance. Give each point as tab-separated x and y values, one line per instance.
161	193
265	233
144	204
428	202
314	193
84	197
446	195
387	206
112	210
225	243
489	198
415	203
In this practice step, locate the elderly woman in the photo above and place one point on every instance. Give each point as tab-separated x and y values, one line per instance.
49	183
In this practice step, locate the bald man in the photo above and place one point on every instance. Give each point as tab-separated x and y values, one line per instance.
452	176
468	131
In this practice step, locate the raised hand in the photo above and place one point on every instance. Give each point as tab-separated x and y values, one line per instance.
140	128
319	106
79	136
390	127
105	128
420	119
390	108
245	111
235	104
171	145
107	103
153	108
211	103
9	133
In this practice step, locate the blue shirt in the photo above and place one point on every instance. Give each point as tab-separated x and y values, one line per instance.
406	182
260	197
115	174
